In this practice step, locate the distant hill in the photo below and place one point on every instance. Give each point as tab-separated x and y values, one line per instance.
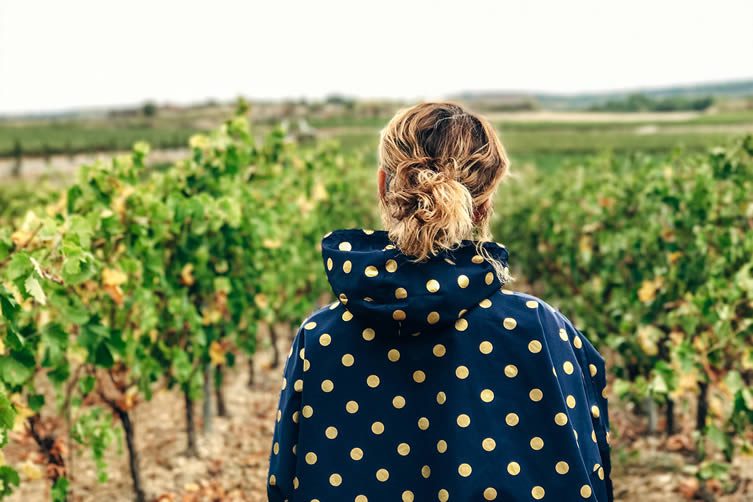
510	99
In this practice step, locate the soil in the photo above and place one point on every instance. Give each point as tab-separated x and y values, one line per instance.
233	458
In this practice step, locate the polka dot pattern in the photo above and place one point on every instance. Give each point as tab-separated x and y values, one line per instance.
428	381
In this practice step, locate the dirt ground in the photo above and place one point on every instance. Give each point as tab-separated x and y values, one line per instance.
233	458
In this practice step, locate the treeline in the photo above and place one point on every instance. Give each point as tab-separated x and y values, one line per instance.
643	103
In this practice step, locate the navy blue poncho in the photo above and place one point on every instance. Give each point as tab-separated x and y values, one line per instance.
429	381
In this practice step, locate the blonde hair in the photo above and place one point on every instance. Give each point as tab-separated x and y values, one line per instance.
443	164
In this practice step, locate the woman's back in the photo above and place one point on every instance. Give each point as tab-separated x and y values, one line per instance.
427	382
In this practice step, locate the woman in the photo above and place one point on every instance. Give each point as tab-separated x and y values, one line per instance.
427	380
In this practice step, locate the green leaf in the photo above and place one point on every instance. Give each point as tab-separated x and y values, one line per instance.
35	289
16	368
36	401
8	479
7	413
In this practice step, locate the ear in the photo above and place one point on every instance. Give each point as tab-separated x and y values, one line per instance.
480	212
381	180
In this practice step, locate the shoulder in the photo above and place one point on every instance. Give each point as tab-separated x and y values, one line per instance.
318	321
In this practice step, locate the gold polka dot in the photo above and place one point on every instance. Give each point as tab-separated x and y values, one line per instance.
562	467
361	498
344	246
306	365
295	417
441	446
465	470
426	471
310	325
371	271
489	278
398	315
311	458
595	411
511	371
513	468
398	402
441	397
585	491
407	496
537	492
343	298
298	385
372	381
563	334
403	449
348	360
443	495
536	395
272	480
383	475
531	304
477	259
432	318
570	400
351	407
463	281
368	334
487	395
347	266
307	411
347	315
485	303
439	350
577	342
329	264
356	454
377	428
325	340
512	419
463	420
462	312
390	266
401	293
507	292
331	432
328	386
604	392
432	285
423	423
295	482
593	436
560	418
276	448
488	444
461	325
485	347
461	372
537	443
335	480
490	494
568	367
534	346
419	376
592	369
601	473
509	323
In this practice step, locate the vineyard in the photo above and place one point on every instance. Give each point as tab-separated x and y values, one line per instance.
135	281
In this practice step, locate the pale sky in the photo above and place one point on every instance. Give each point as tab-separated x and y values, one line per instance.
62	54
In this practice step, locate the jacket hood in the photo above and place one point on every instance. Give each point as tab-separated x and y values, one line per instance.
385	289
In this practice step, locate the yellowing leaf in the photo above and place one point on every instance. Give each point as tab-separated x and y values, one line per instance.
186	275
113	277
217	353
261	300
30	471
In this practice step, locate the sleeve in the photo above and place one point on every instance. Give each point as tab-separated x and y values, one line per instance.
281	480
594	372
598	375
